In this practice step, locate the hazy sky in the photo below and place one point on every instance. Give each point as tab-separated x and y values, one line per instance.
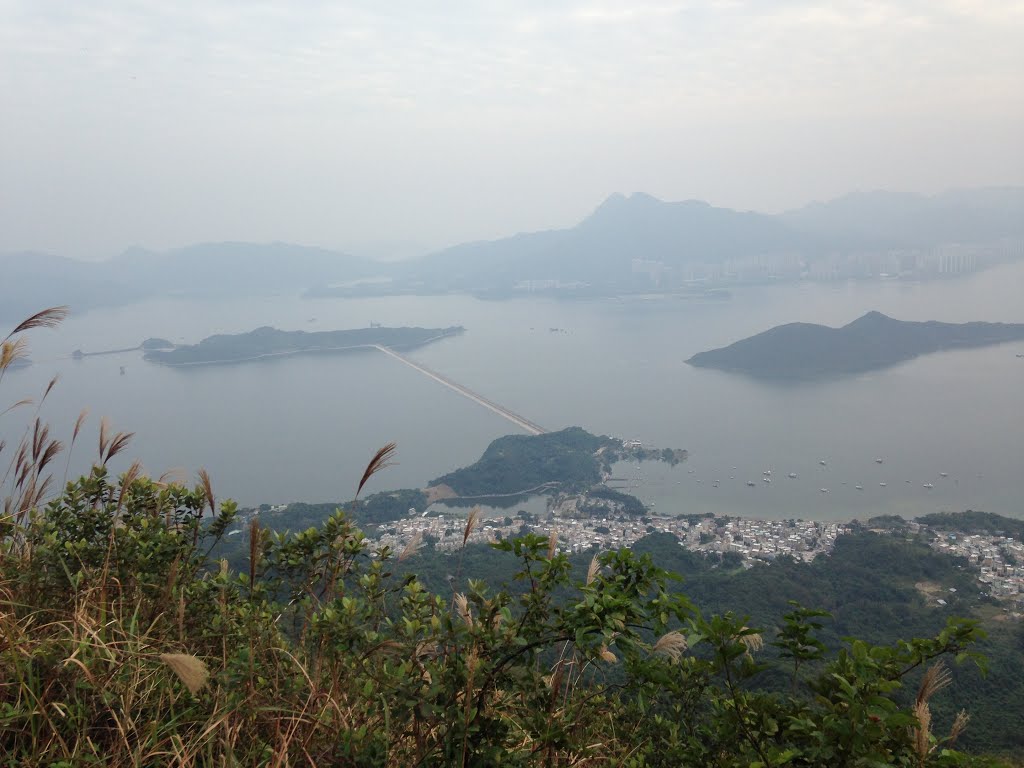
162	123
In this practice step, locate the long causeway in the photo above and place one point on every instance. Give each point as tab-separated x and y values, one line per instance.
519	421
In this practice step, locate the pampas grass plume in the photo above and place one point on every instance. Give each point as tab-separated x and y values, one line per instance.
190	670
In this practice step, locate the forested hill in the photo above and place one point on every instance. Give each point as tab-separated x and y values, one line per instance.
806	350
271	342
571	459
871	585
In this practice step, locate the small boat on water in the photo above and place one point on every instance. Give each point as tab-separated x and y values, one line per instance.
878	461
859	487
822	462
928	485
766	479
823	490
943	474
881	485
751	483
792	475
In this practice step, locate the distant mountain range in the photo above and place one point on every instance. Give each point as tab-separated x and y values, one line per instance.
600	250
600	253
806	351
898	220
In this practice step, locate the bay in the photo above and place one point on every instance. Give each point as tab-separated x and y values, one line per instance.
303	428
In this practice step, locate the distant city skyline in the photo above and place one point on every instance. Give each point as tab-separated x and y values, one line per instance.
400	129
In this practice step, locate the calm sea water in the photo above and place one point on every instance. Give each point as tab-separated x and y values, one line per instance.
303	428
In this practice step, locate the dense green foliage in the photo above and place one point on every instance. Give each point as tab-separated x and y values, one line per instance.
973	521
517	463
592	502
869	587
124	645
379	508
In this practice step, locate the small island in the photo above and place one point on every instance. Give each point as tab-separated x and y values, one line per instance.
569	463
799	351
269	342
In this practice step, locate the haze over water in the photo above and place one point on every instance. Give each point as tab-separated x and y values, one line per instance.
302	428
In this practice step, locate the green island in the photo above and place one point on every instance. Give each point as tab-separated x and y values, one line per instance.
807	351
264	343
569	461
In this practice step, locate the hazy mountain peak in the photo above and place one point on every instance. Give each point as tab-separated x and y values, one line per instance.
620	203
874	317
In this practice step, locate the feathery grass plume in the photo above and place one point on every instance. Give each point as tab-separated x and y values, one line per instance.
20	404
471	522
595	566
111	445
82	416
104	426
671	644
127	480
173	476
79	422
381	460
204	479
411	547
922	733
47	318
190	670
552	543
753	641
49	388
11	351
607	655
959	726
462	608
934	680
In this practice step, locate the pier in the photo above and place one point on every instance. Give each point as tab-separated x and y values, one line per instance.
519	421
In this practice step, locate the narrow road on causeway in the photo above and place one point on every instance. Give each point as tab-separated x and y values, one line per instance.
519	421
